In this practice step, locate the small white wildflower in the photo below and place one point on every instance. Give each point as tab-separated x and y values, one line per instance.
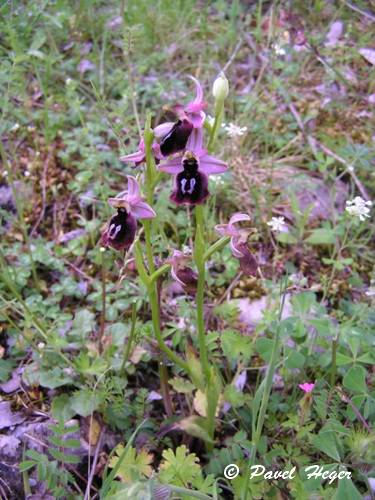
102	249
41	345
234	130
370	292
277	224
359	208
27	173
351	168
68	81
5	173
15	127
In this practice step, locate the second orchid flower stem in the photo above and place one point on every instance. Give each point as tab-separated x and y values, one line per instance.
151	284
199	250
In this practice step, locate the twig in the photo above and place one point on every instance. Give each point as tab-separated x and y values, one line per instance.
314	144
347	399
230	288
360	11
338	158
233	56
93	465
62	218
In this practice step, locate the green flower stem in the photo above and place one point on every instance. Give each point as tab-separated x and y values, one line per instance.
152	293
199	254
200	263
130	339
265	398
150	278
218	245
219	112
159	272
150	256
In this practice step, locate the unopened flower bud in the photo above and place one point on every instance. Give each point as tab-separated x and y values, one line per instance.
220	88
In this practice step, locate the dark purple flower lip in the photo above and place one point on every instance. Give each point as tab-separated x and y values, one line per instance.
248	263
120	231
177	138
191	185
191	171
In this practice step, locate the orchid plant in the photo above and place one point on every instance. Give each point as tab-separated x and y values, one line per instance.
177	148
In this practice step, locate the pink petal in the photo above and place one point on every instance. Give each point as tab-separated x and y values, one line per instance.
211	165
175	277
198	90
156	151
238	217
136	157
142	210
195	142
226	230
235	251
133	187
196	118
173	166
307	387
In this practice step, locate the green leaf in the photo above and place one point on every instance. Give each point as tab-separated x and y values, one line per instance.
195	426
83	323
355	380
346	491
61	408
182	385
54	378
367	358
341	359
294	359
85	402
26	465
303	302
326	442
134	465
6	367
263	347
179	467
236	345
286	238
64	457
321	236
